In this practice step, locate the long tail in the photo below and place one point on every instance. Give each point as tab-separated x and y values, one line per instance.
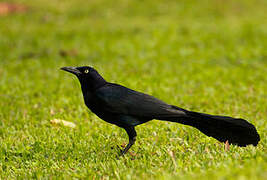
222	128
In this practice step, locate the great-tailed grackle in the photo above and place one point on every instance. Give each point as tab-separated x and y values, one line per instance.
127	108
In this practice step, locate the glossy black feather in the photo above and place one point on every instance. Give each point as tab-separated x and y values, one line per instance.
121	100
127	108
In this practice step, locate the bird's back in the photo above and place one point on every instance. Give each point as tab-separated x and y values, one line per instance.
119	99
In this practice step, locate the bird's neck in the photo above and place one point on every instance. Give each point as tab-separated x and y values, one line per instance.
93	83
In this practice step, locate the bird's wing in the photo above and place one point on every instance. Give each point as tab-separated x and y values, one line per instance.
118	99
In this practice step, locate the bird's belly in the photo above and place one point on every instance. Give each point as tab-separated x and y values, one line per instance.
113	118
101	113
117	119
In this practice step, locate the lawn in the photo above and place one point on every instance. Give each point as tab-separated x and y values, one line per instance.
207	56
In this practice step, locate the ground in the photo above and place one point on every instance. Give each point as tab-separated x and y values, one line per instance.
207	56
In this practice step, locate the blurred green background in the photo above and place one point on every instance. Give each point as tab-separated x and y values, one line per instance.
207	56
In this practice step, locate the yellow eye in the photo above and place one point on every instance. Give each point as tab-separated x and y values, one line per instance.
86	71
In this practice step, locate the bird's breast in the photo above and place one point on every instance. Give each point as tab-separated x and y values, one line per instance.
94	105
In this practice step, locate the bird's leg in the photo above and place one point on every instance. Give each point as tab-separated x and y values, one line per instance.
132	137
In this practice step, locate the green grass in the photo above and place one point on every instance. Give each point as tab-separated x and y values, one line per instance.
207	56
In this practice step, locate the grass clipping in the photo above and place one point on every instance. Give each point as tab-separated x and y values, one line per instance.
63	123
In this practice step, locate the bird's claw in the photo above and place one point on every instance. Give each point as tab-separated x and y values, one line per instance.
121	153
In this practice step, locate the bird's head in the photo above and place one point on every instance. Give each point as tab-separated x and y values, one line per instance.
88	76
80	72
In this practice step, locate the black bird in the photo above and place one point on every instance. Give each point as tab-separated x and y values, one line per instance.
127	108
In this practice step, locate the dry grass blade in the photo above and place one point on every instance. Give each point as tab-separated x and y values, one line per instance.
226	146
173	158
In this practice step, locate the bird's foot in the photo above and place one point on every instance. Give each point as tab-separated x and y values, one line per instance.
121	151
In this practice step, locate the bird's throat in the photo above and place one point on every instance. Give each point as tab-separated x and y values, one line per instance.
92	84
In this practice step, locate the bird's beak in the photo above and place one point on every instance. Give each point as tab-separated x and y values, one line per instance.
72	70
